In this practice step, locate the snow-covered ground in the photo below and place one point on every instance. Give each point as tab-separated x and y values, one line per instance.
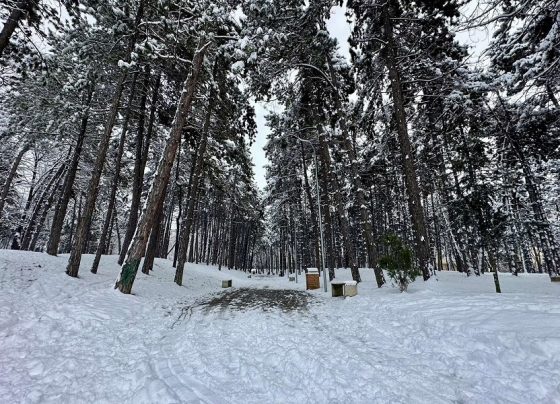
65	340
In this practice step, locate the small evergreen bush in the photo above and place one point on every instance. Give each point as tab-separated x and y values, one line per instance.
399	262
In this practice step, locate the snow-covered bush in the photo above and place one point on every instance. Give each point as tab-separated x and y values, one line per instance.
399	263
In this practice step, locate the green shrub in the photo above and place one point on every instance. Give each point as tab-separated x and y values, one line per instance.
399	262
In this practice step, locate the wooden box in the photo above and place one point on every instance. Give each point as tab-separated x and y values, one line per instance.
350	288
312	279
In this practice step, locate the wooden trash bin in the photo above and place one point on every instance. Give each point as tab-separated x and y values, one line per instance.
226	283
291	278
312	279
555	279
337	288
350	288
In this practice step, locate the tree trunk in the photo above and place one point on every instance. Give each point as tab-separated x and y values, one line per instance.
231	240
16	239
73	223
154	234
197	174
45	211
138	246
349	248
358	190
11	175
307	187
138	179
151	122
34	220
62	204
116	218
107	247
411	181
327	249
18	13
152	243
93	187
348	245
115	183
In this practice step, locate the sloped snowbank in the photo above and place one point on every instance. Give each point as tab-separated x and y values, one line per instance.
450	340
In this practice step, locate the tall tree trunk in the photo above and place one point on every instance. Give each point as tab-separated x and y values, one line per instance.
116	218
151	250
138	176
197	174
72	224
302	230
31	192
151	123
408	160
546	239
327	249
107	247
356	181
11	175
165	236
45	212
39	208
62	204
16	239
180	203
349	248
231	240
19	12
311	201
93	187
157	192
152	243
115	183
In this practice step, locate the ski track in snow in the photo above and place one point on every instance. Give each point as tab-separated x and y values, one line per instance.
66	340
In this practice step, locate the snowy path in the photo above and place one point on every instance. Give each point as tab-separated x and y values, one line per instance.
64	340
398	354
74	341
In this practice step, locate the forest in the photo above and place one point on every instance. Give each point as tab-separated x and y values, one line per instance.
126	129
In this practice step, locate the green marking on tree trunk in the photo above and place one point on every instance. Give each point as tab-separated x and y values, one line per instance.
128	273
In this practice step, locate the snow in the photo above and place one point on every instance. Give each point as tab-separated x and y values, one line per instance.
65	340
238	66
252	58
